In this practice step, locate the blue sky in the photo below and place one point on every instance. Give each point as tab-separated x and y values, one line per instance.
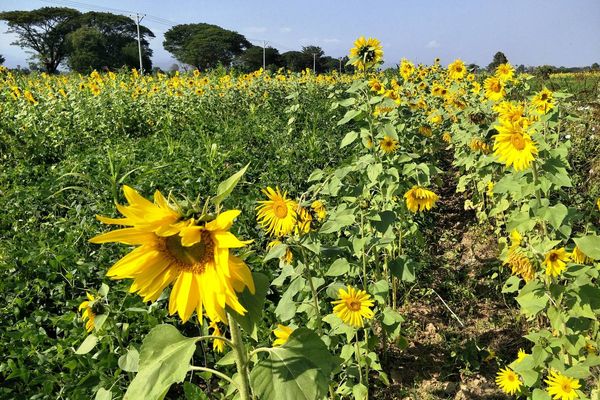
530	32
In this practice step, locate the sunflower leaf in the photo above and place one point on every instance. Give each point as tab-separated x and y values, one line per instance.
253	303
164	360
226	187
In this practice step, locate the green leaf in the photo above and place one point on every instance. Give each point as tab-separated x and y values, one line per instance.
539	394
87	345
286	308
339	267
336	223
532	298
193	392
350	115
590	245
129	362
164	359
360	392
349	139
103	394
511	285
403	268
226	187
379	290
253	303
298	370
276	251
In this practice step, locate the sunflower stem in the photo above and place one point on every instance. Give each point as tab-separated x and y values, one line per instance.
313	290
215	372
538	192
241	358
358	356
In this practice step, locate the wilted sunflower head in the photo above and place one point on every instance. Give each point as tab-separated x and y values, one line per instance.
366	53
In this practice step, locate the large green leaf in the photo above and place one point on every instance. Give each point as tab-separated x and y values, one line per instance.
164	359
590	245
298	370
532	298
253	303
226	187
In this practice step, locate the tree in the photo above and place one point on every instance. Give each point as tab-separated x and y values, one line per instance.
44	31
499	58
2	59
293	60
313	54
473	68
115	44
88	50
203	45
252	59
595	66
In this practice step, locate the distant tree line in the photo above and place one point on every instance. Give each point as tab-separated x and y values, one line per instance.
104	41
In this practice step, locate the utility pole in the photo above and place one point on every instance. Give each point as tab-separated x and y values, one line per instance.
137	23
264	54
314	63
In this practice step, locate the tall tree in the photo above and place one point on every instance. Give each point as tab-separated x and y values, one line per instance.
203	45
499	58
293	60
44	31
108	40
312	55
2	59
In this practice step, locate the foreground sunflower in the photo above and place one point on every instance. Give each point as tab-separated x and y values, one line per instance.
366	53
88	313
561	387
556	261
278	214
193	255
419	199
513	145
494	88
353	306
508	381
282	333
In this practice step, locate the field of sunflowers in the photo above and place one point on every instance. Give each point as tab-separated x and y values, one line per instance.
417	233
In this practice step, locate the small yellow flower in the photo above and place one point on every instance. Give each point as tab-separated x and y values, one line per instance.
561	387
319	208
556	262
447	137
521	355
282	333
515	239
303	221
419	199
388	145
353	306
508	381
88	314
543	101
490	189
407	68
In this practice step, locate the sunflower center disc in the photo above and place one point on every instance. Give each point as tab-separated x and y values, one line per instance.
195	255
354	305
553	257
518	142
280	210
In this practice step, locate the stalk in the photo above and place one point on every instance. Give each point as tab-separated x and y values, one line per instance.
241	359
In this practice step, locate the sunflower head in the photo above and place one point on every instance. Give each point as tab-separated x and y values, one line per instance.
579	257
457	70
418	199
562	387
513	144
89	311
494	89
521	355
556	261
508	381
277	215
407	68
282	333
366	53
353	305
388	144
505	72
543	101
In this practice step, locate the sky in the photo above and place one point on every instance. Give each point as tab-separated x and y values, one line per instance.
529	32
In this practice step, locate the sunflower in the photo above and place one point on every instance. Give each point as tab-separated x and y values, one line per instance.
513	145
353	306
579	257
494	88
476	88
407	68
425	130
89	313
543	101
419	199
376	86
278	214
509	111
388	145
287	257
457	70
556	261
193	255
319	208
515	239
561	387
478	145
447	137
366	53
282	333
303	221
520	265
218	344
505	72
508	381
521	355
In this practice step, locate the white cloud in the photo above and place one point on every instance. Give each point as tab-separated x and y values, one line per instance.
285	29
432	44
256	29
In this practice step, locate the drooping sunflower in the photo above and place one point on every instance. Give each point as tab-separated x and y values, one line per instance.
478	145
303	221
543	101
418	199
520	265
407	68
366	53
494	88
218	344
556	261
319	208
278	214
88	313
579	257
513	145
353	306
193	255
508	381
561	387
388	144
282	333
504	72
457	70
